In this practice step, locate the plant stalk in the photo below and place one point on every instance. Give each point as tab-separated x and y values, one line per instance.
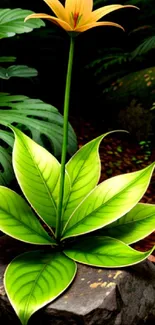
65	139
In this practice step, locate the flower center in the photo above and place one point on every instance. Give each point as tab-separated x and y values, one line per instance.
75	18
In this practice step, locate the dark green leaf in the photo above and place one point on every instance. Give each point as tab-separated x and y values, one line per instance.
4	59
21	71
41	120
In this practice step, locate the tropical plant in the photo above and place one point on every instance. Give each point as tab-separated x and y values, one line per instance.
87	208
69	203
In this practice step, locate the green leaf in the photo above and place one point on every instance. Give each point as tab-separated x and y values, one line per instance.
6	171
84	172
34	279
7	137
38	173
17	219
22	71
105	252
84	169
7	59
134	226
40	120
108	202
12	22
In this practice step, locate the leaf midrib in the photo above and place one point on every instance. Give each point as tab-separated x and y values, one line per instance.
39	172
23	223
132	222
33	286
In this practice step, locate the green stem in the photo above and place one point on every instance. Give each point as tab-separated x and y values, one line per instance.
65	139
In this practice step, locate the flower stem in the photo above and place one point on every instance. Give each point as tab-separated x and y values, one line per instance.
65	139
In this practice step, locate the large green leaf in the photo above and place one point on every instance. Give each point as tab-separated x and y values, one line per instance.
108	202
105	252
41	120
36	278
18	220
12	22
22	71
84	170
134	226
38	173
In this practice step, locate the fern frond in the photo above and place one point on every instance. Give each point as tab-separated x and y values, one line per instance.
146	46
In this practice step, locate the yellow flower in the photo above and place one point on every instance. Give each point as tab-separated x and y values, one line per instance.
78	15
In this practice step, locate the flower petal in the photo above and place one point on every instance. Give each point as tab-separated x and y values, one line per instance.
81	8
57	8
99	13
54	20
102	23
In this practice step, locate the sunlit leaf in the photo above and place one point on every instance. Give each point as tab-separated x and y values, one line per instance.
17	219
105	252
37	172
108	202
134	226
84	171
36	278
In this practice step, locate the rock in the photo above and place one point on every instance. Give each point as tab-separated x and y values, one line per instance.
96	297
